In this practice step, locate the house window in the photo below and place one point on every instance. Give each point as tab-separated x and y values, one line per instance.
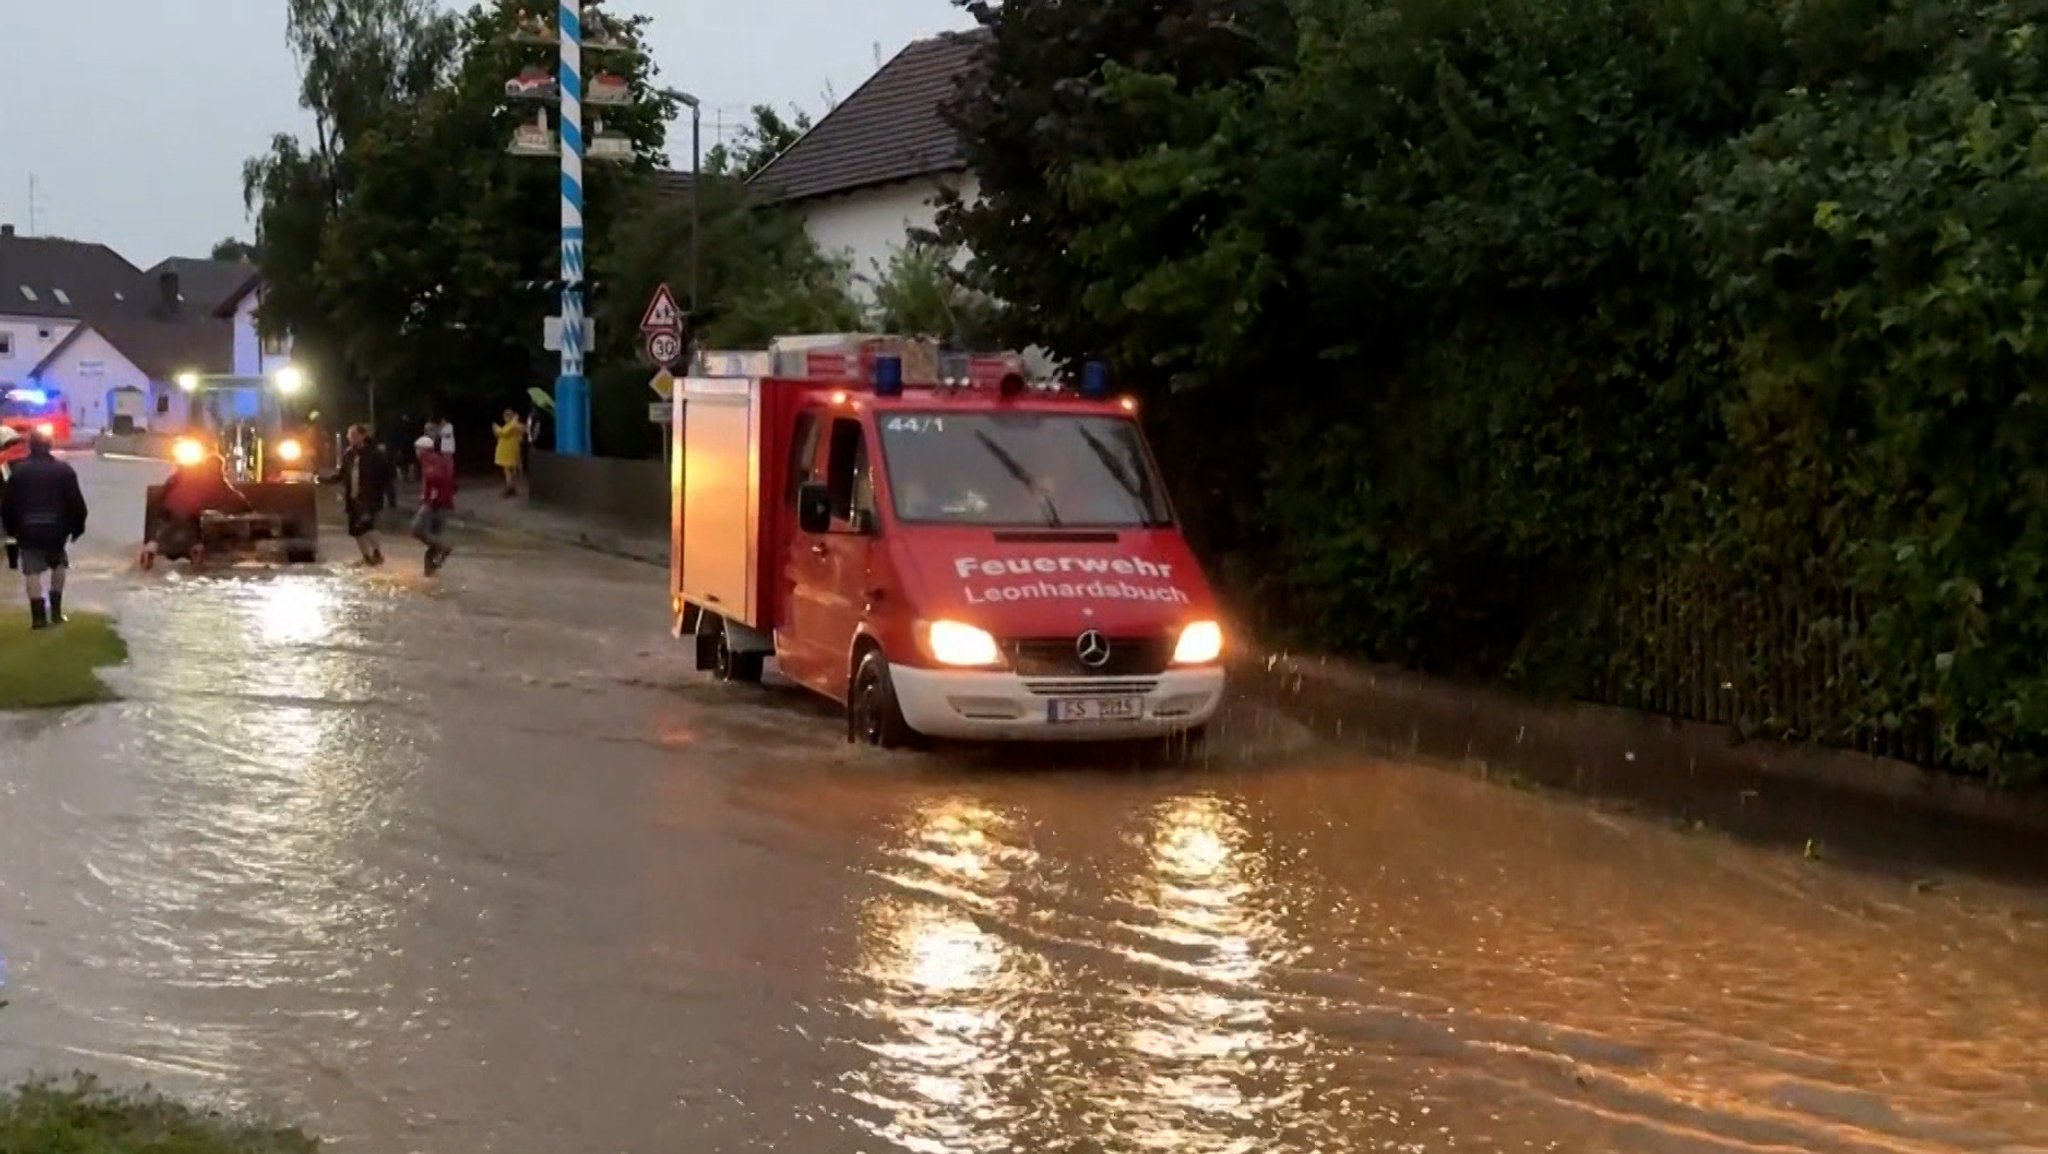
6	344
28	294
163	404
62	297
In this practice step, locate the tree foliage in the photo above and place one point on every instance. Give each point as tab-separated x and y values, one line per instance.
767	137
761	276
407	252
920	292
1470	322
234	248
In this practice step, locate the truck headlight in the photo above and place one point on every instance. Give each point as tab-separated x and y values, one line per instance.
186	451
958	644
1200	644
47	429
289	451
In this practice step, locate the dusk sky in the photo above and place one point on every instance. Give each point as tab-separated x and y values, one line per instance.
134	116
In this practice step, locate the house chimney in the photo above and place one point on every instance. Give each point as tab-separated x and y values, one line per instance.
6	230
167	285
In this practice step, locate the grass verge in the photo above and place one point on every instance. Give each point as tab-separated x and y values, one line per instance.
52	668
82	1117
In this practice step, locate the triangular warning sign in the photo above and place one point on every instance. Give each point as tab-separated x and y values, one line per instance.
662	314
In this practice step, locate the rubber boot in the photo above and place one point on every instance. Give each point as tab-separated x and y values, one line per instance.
57	609
38	615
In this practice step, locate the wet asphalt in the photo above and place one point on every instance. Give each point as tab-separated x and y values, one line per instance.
478	864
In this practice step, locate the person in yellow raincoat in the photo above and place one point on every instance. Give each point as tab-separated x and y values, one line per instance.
511	434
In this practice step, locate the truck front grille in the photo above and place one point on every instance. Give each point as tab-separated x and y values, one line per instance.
1057	657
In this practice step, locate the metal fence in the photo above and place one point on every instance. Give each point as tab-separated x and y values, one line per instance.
1786	661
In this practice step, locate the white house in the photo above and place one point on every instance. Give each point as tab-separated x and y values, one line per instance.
79	319
255	354
46	286
867	176
130	366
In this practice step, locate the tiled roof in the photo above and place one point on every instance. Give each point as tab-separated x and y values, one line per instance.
160	348
890	129
47	277
206	285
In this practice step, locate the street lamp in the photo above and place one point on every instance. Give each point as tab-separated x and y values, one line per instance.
289	380
188	382
696	108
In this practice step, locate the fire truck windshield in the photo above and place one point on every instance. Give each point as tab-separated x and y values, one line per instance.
1020	469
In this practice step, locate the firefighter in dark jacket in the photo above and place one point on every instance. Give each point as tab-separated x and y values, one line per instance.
44	511
365	477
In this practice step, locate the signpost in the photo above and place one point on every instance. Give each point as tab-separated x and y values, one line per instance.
664	349
662	315
662	413
662	326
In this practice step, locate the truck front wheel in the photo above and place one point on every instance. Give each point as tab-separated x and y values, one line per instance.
873	716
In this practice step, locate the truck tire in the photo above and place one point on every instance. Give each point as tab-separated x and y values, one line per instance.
731	666
873	716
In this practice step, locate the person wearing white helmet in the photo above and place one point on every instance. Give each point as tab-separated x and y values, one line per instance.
437	497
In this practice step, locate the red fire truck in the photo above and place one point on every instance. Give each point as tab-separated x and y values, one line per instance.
32	410
943	548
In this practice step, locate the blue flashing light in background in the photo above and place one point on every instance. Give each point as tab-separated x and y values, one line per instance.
888	376
1095	379
28	396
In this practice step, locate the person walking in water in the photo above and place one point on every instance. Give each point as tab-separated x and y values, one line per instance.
365	474
437	497
511	434
43	510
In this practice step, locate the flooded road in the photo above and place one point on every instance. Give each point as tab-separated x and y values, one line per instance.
478	865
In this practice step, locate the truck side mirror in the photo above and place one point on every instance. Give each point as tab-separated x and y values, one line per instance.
814	509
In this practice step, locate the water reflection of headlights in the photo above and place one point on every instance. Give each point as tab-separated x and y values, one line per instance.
947	990
294	611
1203	1078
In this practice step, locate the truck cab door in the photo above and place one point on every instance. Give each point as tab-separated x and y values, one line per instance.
798	649
843	556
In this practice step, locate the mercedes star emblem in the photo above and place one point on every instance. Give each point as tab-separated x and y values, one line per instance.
1092	648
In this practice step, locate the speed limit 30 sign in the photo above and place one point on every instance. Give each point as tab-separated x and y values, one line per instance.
664	348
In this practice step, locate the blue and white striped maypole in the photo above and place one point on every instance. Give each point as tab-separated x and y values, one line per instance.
572	391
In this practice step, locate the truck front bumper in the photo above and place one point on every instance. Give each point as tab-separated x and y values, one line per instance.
960	705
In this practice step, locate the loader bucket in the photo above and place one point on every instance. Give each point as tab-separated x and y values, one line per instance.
296	534
297	507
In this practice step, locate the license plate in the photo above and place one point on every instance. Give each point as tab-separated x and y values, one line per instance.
1070	709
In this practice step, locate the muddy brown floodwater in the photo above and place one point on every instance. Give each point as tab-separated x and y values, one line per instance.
479	866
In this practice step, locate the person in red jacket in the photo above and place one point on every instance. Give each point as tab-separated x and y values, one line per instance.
437	497
192	492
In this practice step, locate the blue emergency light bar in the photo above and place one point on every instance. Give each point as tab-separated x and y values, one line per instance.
888	376
1095	379
29	396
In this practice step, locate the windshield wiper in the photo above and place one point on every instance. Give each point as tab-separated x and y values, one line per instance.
1023	475
1136	486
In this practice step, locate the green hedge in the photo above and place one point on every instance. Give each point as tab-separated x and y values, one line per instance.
1674	352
